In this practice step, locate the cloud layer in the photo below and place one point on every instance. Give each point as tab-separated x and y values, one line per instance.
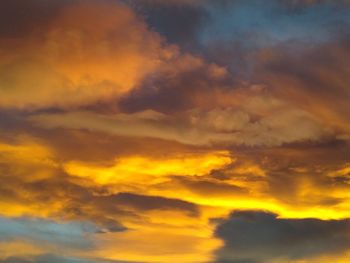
252	236
182	131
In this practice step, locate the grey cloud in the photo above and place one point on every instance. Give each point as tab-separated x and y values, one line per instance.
144	203
253	236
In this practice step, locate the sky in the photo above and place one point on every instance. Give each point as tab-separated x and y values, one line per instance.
185	131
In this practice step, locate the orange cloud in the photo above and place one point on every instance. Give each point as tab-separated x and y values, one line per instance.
89	53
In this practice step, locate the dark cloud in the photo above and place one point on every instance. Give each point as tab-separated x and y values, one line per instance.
178	23
144	203
21	17
178	87
253	236
209	187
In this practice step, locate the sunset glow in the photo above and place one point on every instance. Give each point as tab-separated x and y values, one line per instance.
174	131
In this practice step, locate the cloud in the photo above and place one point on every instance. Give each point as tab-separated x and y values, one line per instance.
88	53
34	173
104	123
178	21
209	187
179	85
148	170
279	124
27	17
144	203
253	236
314	78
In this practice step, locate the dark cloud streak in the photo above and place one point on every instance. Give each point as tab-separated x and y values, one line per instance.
253	236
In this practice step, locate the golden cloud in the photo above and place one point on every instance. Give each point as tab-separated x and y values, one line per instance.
88	53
